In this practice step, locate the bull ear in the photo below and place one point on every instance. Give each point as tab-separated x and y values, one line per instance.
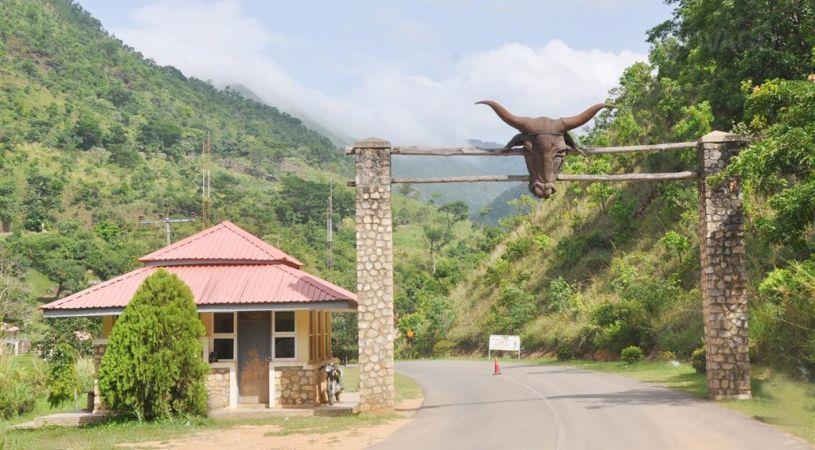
579	120
508	118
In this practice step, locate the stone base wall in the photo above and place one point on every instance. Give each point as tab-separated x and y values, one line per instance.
296	386
217	384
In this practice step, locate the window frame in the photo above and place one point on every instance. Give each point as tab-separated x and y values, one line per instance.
283	334
233	335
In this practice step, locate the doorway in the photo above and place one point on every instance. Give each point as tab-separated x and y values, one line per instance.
254	338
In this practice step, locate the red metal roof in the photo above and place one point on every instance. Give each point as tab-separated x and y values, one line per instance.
251	279
223	242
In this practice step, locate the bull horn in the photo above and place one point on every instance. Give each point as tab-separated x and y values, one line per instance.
579	120
509	118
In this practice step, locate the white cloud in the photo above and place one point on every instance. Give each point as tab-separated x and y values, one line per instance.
218	41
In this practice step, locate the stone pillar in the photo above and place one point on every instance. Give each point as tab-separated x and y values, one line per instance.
374	274
99	347
724	296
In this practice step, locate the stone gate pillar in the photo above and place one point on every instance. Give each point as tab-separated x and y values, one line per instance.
374	274
724	296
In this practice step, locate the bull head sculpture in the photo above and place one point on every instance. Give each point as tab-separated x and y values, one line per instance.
546	142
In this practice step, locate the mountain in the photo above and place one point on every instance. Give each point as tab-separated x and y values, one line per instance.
335	137
95	137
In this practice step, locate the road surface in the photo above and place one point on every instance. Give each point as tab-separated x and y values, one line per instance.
562	408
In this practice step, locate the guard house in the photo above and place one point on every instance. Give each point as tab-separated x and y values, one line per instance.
268	323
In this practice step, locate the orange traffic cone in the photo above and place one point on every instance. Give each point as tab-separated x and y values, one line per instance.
497	368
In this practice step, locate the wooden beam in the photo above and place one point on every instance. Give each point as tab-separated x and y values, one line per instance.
667	176
562	177
473	151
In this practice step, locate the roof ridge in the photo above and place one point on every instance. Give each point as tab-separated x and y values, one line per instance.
187	240
244	235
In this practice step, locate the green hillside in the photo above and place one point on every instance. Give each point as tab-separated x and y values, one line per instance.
94	136
602	267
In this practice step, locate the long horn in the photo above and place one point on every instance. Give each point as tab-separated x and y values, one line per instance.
579	120
510	119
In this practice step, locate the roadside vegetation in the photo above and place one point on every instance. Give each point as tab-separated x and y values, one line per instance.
111	434
601	269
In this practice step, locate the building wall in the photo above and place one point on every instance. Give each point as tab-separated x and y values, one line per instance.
299	386
298	383
218	388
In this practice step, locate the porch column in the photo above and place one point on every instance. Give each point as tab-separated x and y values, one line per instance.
374	274
721	241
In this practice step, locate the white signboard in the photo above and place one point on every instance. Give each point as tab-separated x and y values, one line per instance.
505	343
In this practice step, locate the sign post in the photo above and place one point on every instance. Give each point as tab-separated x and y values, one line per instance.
506	343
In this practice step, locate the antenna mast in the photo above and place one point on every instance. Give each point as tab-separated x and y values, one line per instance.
167	222
206	187
329	226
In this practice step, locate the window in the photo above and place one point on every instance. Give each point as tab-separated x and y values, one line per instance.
327	334
283	337
224	349
319	335
223	337
312	336
284	321
224	323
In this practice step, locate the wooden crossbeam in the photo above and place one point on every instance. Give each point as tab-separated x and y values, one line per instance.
473	151
561	177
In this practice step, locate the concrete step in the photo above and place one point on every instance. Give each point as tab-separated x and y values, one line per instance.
68	419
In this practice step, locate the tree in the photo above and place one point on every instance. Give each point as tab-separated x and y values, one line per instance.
710	46
62	378
153	366
42	199
87	130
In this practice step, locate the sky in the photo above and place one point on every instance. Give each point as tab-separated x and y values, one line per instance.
406	71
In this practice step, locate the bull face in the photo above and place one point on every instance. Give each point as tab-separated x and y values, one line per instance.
546	142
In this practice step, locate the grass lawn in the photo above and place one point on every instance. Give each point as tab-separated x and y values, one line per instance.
777	399
108	435
406	388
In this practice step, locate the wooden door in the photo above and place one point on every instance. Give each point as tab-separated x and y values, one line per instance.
254	340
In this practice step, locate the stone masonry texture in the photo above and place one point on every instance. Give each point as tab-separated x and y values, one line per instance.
217	385
298	387
98	354
374	274
724	296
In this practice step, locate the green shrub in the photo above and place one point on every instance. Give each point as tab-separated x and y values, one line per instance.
443	348
565	351
24	380
666	355
513	310
698	360
632	354
518	248
153	367
560	295
543	242
783	322
62	377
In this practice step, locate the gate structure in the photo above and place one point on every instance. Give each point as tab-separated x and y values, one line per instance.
721	240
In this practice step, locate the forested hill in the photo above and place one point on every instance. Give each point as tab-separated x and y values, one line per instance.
602	267
68	83
94	136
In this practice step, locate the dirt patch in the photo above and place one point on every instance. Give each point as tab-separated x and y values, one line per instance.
257	436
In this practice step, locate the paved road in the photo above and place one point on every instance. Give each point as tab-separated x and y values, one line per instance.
553	407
